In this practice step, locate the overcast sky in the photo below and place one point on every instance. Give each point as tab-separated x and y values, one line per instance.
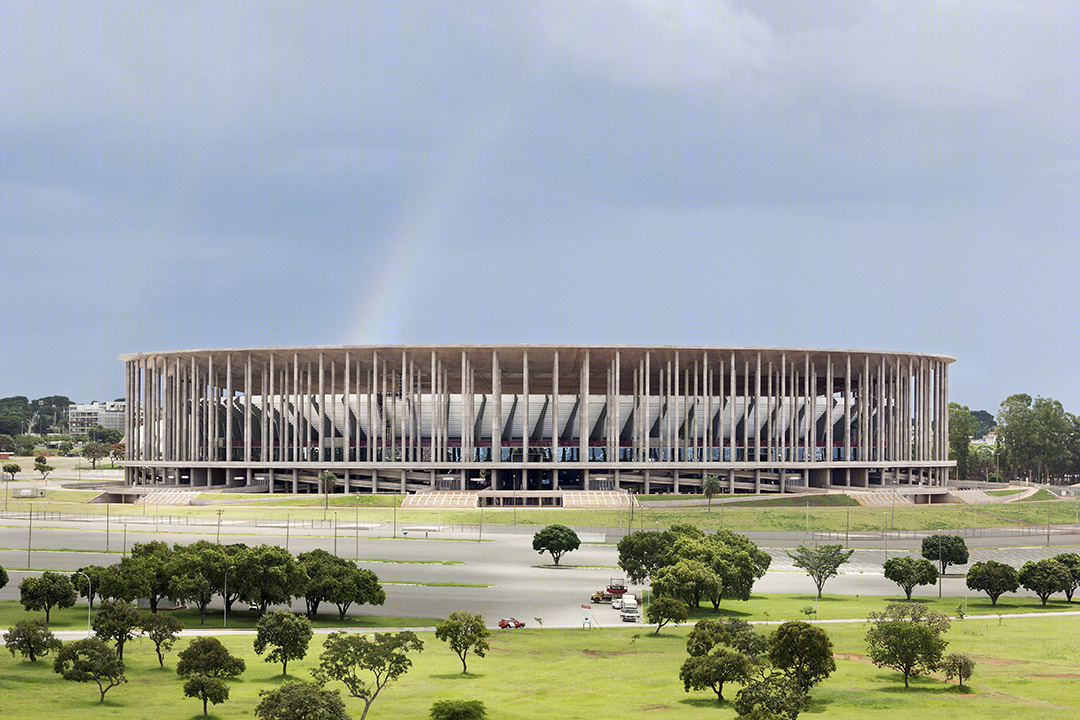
888	175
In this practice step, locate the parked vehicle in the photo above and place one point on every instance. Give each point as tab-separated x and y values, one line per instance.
512	623
617	586
630	610
616	602
601	596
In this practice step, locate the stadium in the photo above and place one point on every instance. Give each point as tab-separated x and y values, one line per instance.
529	424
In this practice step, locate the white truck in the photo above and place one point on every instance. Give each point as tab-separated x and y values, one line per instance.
630	610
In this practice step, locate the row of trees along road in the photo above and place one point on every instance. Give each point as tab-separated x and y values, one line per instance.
264	575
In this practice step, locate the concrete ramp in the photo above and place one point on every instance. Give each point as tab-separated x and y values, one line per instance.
597	499
881	498
440	499
974	497
167	497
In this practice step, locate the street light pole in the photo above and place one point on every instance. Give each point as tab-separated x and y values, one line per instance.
30	536
89	599
225	598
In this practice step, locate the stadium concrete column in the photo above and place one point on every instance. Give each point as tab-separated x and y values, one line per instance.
496	418
584	427
525	420
555	422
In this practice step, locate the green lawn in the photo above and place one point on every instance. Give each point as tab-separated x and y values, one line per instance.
1010	491
772	516
1039	495
1024	668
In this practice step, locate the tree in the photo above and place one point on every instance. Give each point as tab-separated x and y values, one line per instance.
90	660
458	710
642	553
687	580
94	451
907	572
117	621
288	635
65	448
736	634
117	450
820	562
12	469
1045	577
333	579
125	580
197	572
464	631
152	563
709	487
959	666
46	592
663	610
992	577
803	651
300	700
348	656
774	697
91	589
327	482
710	672
31	638
1071	561
207	689
962	428
267	575
557	540
7	442
907	637
945	550
44	469
3	577
207	656
104	436
162	630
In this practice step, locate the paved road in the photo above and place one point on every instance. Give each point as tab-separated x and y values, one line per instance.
516	580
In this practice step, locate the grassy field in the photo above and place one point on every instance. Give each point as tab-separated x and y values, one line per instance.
1025	668
773	516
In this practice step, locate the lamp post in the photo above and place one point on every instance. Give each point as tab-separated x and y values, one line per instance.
225	598
335	532
30	536
356	528
89	600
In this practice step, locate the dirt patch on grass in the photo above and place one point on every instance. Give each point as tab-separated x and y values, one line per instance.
656	707
602	653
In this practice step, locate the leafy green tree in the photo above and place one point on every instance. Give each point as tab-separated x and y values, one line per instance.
737	634
117	621
1070	560
327	482
288	635
709	487
962	428
349	657
907	638
992	577
12	469
44	469
90	660
774	697
663	610
117	450
710	672
267	575
196	573
557	540
642	553
458	710
7	442
153	563
687	580
232	591
959	666
326	577
94	451
984	422
65	448
162	629
1045	577
125	580
820	562
31	638
207	656
104	436
945	550
207	689
464	631
91	589
300	700
3	577
908	572
46	592
803	651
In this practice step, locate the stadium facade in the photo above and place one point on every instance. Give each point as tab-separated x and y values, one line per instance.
536	419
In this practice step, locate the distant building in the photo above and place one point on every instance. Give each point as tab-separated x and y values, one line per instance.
108	415
537	418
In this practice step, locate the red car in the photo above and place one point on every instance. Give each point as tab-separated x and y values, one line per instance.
511	623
